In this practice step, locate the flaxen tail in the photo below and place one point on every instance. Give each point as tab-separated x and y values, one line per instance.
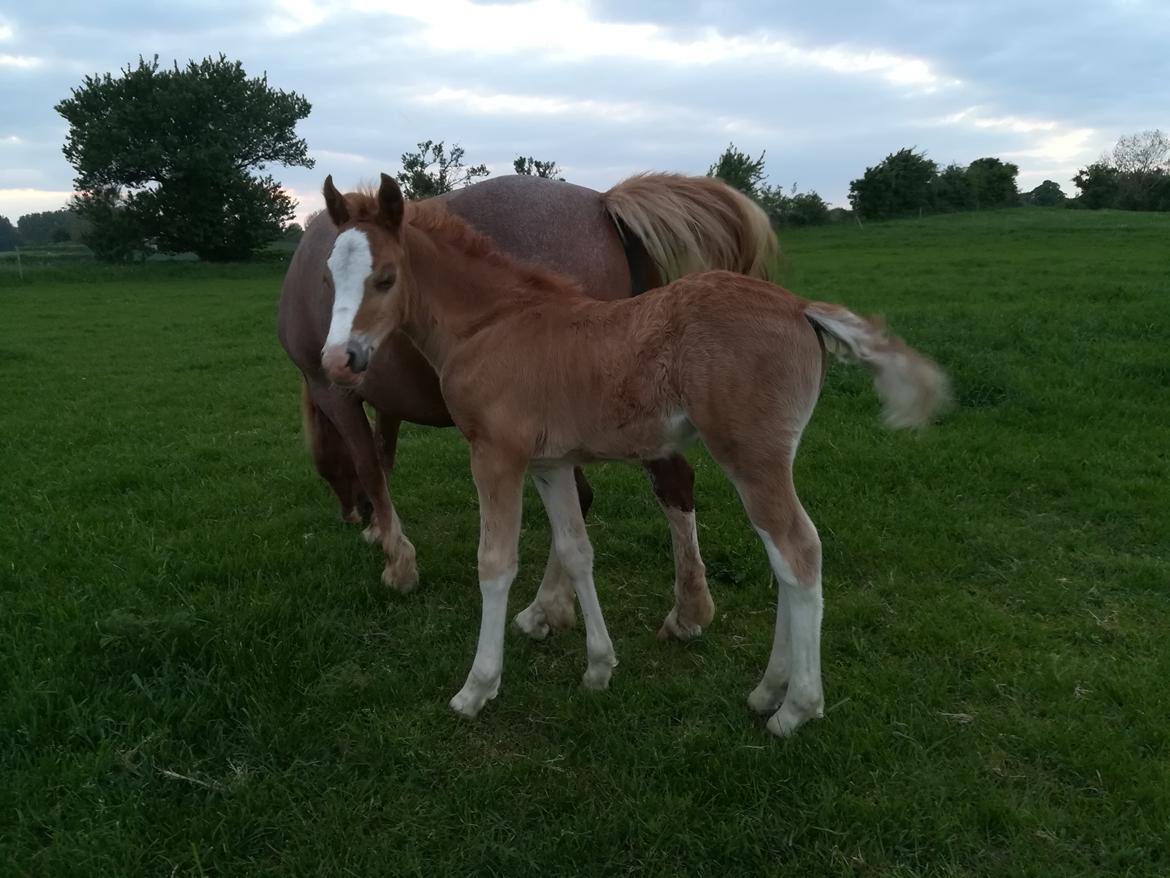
692	224
911	387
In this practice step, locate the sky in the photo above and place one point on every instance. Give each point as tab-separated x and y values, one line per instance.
608	88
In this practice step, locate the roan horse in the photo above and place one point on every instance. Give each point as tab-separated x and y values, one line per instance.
539	376
643	232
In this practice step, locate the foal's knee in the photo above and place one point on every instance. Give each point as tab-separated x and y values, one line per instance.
496	564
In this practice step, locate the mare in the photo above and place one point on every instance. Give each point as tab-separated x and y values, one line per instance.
540	377
641	233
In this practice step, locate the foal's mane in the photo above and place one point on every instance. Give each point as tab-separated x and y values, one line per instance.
445	227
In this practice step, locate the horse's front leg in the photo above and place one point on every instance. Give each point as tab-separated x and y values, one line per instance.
674	486
499	480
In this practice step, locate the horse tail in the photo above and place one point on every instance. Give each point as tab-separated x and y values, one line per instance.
691	224
911	387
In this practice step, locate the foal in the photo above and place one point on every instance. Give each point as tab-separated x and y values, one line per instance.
539	377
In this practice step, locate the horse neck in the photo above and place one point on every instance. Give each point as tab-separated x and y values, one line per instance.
450	293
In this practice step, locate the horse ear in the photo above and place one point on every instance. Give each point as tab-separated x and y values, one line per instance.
335	203
390	203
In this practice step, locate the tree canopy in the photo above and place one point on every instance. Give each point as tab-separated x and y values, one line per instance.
530	167
171	157
899	185
740	170
432	170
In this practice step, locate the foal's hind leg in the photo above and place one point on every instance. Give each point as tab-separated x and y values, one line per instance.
792	680
674	486
559	494
552	608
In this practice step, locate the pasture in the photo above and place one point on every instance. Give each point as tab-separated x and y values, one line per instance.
201	674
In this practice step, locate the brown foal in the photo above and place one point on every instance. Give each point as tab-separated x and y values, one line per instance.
539	377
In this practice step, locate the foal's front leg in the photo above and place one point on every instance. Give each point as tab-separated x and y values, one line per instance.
499	479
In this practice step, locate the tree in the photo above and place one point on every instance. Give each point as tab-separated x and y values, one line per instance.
530	167
951	190
899	185
51	225
1047	194
1099	183
170	158
9	236
418	180
993	183
740	170
795	209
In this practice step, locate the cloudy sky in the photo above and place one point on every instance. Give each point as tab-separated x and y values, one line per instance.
610	87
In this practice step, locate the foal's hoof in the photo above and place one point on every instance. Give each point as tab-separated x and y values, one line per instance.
532	622
597	675
351	515
789	718
672	627
401	571
469	700
767	699
372	534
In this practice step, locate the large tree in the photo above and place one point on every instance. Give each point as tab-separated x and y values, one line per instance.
993	183
899	185
174	158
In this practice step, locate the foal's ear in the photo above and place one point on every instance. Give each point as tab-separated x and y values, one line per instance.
390	203
335	203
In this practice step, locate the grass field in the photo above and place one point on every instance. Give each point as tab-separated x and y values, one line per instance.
200	673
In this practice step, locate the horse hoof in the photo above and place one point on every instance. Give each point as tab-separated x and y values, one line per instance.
532	622
672	627
789	718
598	674
767	699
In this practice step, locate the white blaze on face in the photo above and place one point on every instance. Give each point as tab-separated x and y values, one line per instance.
350	263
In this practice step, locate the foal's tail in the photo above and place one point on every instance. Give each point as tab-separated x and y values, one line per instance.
911	387
692	224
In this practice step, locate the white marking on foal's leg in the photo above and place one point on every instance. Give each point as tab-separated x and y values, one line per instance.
483	682
552	608
559	494
805	696
692	601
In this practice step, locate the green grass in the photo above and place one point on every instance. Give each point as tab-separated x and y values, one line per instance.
200	673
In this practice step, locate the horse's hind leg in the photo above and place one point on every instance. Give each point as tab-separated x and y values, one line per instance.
552	608
792	680
347	414
674	486
571	540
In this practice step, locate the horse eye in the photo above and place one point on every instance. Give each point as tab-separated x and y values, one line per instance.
383	284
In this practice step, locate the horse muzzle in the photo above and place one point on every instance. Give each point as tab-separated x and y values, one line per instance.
345	364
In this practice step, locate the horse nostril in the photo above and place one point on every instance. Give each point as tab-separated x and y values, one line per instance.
357	357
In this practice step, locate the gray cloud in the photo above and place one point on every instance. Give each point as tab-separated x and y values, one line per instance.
1048	84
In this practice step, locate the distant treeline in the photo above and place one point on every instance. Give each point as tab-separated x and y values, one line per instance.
1135	175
